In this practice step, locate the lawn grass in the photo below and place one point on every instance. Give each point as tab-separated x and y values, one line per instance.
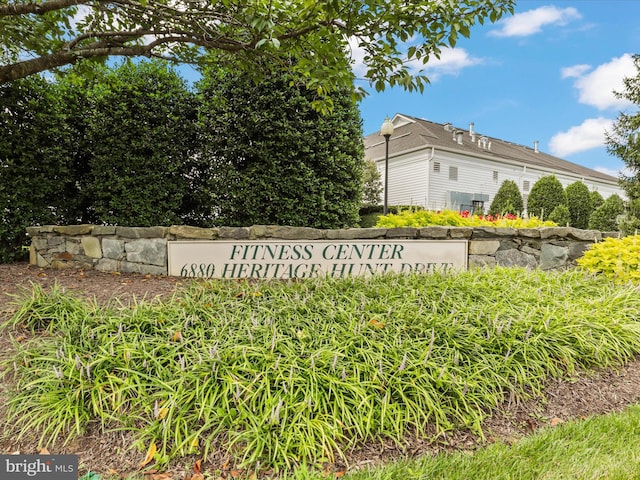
599	448
291	373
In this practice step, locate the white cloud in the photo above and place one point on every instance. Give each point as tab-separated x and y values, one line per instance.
451	62
588	135
575	71
596	87
357	57
531	22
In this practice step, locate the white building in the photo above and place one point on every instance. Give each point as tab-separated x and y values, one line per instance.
439	166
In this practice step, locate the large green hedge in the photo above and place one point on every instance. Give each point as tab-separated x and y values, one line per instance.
35	175
276	159
135	145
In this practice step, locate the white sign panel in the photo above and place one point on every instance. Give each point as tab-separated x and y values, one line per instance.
306	259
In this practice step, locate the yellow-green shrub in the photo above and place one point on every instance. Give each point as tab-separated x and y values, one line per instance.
615	258
425	218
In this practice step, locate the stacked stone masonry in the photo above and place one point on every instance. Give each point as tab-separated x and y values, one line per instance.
144	249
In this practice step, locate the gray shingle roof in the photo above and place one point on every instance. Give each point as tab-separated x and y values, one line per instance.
412	133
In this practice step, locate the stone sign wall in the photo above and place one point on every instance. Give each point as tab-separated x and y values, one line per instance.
144	249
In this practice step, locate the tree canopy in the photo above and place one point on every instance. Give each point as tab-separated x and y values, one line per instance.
36	36
624	139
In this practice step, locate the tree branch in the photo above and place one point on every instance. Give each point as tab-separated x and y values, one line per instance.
37	8
102	48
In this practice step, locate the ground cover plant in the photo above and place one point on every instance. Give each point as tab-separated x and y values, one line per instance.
287	373
615	258
424	218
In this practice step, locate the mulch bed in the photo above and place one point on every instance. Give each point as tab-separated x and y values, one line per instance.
587	394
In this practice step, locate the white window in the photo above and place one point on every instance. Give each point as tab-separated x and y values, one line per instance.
453	173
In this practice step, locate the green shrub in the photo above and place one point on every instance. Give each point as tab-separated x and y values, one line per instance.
630	225
604	218
369	220
546	194
561	216
579	204
596	200
507	200
615	258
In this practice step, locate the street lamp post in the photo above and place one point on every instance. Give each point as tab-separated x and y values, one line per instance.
386	131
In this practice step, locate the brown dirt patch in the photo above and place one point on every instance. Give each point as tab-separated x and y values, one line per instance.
586	394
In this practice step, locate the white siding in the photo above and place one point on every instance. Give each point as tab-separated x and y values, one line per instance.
478	176
407	179
413	180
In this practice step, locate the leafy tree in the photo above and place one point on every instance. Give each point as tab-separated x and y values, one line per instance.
142	131
546	194
605	217
624	142
276	159
624	139
44	35
579	204
35	181
596	199
372	184
507	200
561	215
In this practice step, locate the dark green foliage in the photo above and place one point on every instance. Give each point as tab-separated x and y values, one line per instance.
623	141
116	148
561	215
33	166
507	200
143	133
579	204
596	200
122	147
604	218
276	159
546	194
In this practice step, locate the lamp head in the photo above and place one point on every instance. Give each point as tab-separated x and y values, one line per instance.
387	128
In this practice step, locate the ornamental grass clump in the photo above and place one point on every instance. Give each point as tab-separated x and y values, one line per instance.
285	373
614	258
425	218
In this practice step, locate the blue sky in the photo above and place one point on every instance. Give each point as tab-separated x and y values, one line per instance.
546	73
